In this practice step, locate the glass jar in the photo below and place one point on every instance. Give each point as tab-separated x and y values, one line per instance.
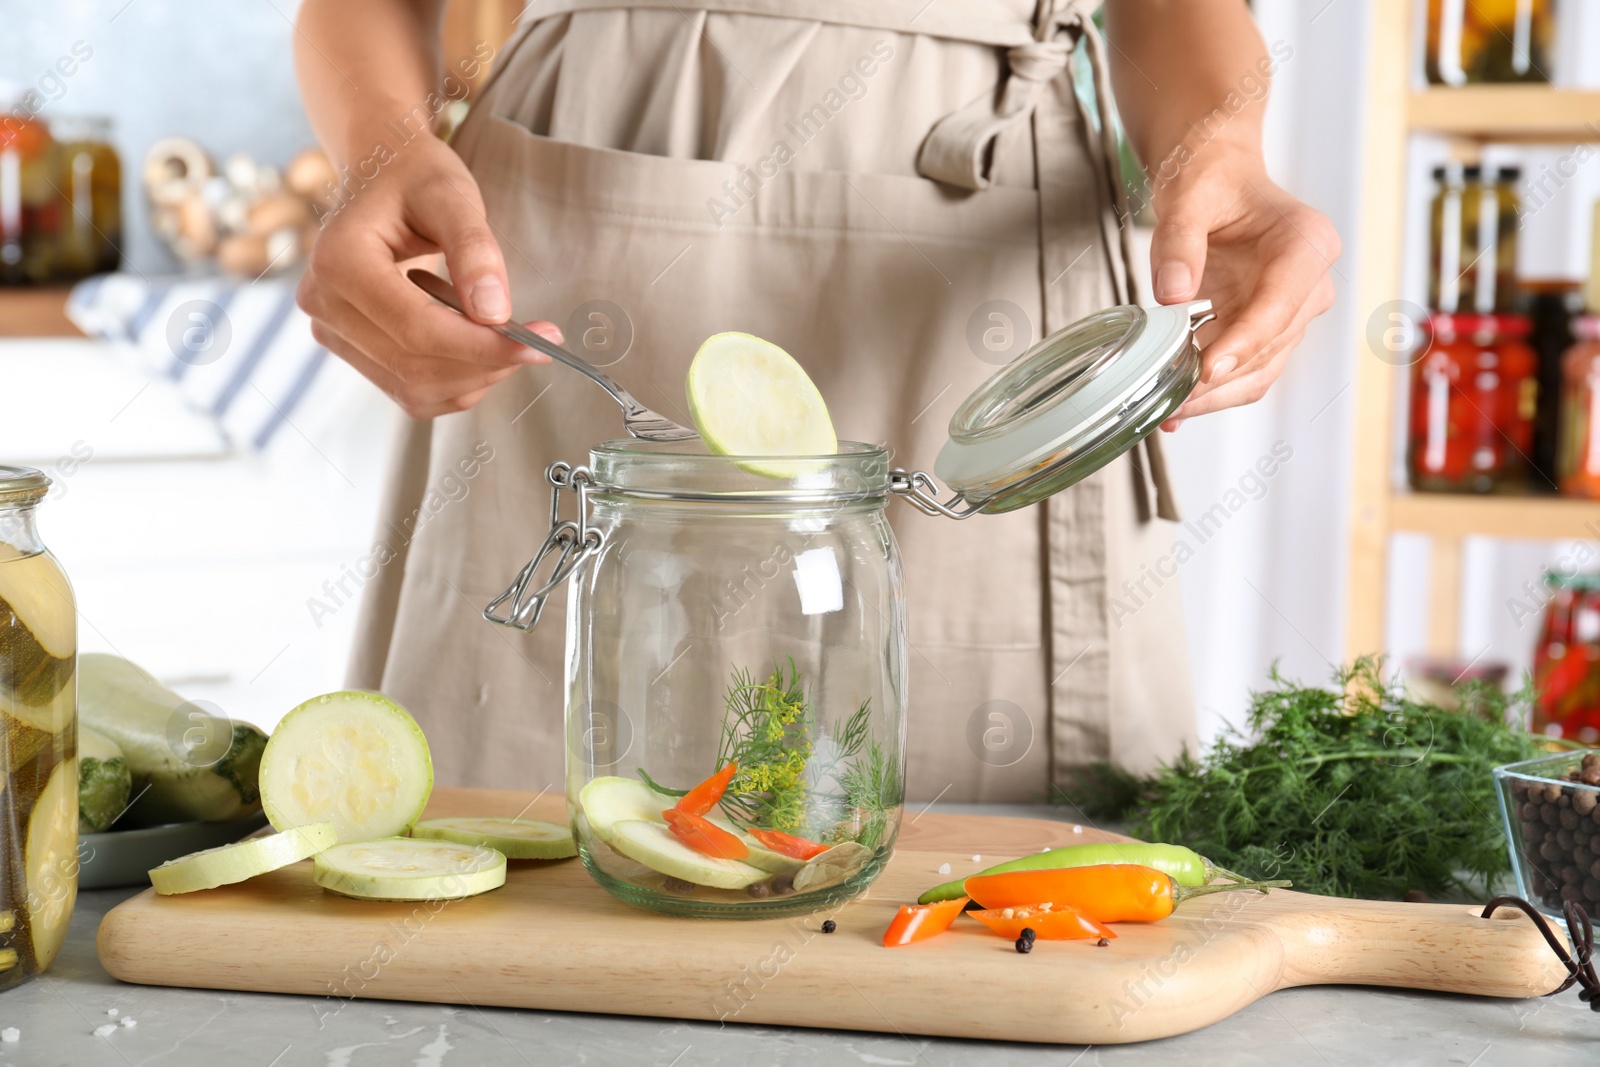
1566	660
89	177
736	628
38	737
1474	395
1553	306
1578	461
1471	41
1473	252
28	205
720	615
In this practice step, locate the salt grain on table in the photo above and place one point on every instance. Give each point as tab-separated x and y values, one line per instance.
944	868
113	1012
977	859
105	1031
1077	829
128	1022
10	1035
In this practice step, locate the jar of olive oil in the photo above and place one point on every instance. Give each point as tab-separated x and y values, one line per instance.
38	737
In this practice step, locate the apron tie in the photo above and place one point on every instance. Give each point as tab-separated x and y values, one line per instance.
957	152
957	148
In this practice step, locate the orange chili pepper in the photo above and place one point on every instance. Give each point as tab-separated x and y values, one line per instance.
1108	892
704	836
918	922
786	844
705	796
1049	922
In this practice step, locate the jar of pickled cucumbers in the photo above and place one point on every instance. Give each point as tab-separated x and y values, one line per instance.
38	737
736	674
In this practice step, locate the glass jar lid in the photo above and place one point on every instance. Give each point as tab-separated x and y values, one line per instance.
1071	404
22	485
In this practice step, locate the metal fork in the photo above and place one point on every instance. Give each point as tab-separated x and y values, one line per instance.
639	420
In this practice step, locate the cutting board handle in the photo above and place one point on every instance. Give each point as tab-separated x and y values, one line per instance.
1447	947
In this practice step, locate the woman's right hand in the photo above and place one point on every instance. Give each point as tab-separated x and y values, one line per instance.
431	360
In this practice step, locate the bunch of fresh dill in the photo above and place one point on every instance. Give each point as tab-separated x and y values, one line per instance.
1358	790
770	729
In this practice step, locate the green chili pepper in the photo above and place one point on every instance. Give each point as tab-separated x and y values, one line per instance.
1183	865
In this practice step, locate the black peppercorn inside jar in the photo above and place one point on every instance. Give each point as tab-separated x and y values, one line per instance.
1551	808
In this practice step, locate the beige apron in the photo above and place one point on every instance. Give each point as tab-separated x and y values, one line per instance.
767	166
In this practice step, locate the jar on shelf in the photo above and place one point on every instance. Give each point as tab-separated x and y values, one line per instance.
1474	395
1578	463
29	211
1473	240
1566	661
738	623
38	737
89	180
1473	41
1553	306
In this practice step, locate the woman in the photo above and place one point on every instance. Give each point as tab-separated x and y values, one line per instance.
860	183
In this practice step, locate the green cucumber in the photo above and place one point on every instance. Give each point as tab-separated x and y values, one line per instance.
404	868
748	397
227	864
655	846
355	759
104	780
517	839
607	801
186	763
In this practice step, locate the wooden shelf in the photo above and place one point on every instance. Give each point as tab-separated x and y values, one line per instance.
1508	113
1534	518
35	313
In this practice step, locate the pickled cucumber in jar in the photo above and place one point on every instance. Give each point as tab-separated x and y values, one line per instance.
38	737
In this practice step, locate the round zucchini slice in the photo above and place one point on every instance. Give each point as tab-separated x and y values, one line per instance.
653	845
227	864
608	801
355	759
404	868
748	397
51	861
516	839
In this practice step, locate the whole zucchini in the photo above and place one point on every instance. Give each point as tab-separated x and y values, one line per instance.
104	780
187	764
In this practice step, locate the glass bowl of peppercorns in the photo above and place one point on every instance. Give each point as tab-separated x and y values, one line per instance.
1551	807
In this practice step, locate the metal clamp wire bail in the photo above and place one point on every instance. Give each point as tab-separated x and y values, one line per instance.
575	540
922	493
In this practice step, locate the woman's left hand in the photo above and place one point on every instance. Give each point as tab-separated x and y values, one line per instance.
1229	234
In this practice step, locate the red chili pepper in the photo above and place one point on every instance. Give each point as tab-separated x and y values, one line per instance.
1049	922
704	836
786	844
705	796
918	922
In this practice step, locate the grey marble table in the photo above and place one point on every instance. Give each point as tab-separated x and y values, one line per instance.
59	1013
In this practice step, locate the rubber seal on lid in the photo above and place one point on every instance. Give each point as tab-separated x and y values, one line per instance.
1071	404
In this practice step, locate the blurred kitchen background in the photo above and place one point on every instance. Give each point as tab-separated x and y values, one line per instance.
217	526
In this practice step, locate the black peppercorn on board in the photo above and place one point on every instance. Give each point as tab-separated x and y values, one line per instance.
552	939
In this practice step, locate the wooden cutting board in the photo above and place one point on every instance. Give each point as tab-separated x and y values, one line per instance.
552	939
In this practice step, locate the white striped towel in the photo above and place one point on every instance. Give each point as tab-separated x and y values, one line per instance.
239	352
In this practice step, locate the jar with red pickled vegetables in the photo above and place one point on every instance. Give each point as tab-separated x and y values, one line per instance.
1566	662
1474	395
1578	461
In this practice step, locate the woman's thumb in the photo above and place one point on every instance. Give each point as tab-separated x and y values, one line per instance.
1178	249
